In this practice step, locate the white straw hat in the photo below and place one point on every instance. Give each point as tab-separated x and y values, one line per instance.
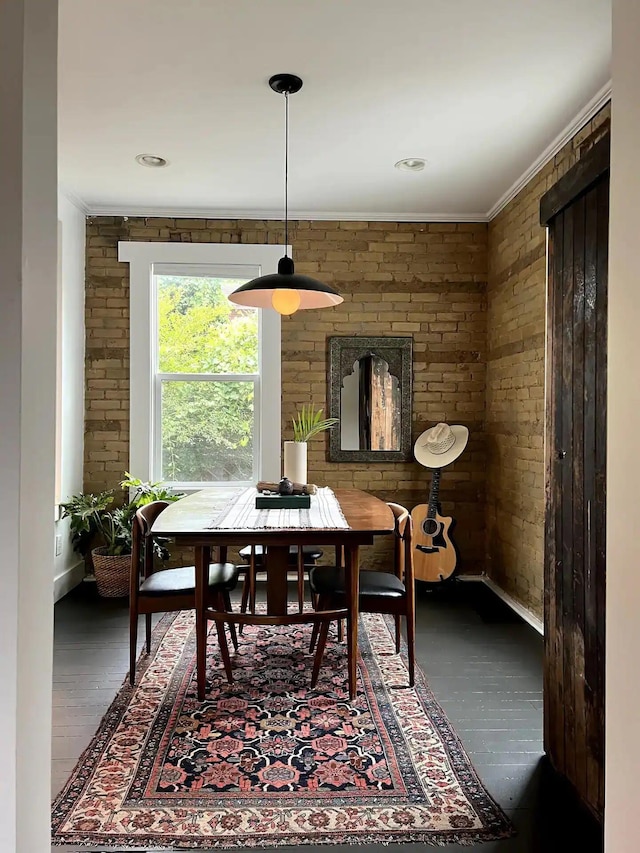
440	445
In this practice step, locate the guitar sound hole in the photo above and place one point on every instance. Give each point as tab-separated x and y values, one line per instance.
430	526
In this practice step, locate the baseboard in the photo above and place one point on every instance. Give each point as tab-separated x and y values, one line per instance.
67	580
516	606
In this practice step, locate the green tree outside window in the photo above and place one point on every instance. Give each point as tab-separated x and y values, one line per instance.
207	427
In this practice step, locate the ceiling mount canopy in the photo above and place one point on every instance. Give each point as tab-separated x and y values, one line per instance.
286	290
285	84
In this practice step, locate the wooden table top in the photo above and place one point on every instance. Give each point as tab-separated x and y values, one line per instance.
188	520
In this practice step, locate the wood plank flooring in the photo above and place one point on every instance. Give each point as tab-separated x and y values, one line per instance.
483	663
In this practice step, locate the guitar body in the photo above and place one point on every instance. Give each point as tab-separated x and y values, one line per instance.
434	555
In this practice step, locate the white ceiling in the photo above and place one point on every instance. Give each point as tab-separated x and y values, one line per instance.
478	89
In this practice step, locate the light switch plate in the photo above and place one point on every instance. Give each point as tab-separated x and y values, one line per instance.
58	544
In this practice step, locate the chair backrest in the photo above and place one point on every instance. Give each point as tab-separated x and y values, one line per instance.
140	553
403	536
147	514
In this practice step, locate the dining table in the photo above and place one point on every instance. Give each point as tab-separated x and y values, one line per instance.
191	522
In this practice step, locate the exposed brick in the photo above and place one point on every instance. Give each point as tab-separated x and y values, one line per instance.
397	278
515	380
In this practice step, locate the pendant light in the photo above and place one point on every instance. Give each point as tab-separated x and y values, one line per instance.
286	290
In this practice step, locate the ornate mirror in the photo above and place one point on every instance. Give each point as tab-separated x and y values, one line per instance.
370	392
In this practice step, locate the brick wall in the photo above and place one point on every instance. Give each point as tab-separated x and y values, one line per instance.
425	280
515	380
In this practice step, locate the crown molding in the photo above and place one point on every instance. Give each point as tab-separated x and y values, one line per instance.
585	115
73	199
316	215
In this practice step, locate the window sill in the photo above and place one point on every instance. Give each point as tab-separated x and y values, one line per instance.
222	491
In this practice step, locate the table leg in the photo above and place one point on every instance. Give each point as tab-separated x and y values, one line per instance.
203	558
352	588
277	565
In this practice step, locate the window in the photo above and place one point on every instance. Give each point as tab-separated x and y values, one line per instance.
206	379
205	373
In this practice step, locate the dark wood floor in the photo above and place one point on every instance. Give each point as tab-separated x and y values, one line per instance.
483	663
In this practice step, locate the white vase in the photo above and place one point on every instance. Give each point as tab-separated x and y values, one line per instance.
295	461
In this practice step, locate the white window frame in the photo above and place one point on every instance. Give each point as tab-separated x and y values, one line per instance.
225	260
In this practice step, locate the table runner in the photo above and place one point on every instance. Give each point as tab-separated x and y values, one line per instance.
241	514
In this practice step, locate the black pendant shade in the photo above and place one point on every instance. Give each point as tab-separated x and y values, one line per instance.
259	291
286	291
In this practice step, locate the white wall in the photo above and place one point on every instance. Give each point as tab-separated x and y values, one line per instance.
68	566
28	253
10	344
622	788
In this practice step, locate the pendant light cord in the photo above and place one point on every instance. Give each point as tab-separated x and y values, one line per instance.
286	171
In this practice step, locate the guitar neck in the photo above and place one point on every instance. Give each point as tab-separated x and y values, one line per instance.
433	496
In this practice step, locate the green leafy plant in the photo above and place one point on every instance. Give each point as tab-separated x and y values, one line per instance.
146	493
96	519
309	422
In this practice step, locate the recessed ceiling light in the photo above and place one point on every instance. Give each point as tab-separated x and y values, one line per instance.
151	160
411	164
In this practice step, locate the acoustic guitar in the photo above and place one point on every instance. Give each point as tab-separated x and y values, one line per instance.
435	556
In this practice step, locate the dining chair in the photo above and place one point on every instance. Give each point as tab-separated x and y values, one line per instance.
390	592
301	557
162	591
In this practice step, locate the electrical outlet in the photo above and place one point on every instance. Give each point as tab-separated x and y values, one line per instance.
58	544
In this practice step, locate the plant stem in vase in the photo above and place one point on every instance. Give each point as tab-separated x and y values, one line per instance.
306	424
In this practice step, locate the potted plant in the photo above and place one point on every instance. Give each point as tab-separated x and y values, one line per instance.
306	424
98	518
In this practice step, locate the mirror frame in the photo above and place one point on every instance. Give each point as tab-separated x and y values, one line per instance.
342	352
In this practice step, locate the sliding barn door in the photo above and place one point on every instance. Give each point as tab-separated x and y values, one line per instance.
576	211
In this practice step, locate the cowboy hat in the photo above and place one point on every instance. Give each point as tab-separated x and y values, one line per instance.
440	445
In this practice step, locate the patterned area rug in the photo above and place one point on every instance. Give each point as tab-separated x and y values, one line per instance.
267	762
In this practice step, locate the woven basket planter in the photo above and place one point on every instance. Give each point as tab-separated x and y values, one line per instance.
112	573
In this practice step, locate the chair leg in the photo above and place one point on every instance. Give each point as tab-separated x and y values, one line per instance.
253	571
411	647
314	637
300	580
340	630
222	642
321	603
245	592
245	598
232	627
133	644
396	619
322	642
147	625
